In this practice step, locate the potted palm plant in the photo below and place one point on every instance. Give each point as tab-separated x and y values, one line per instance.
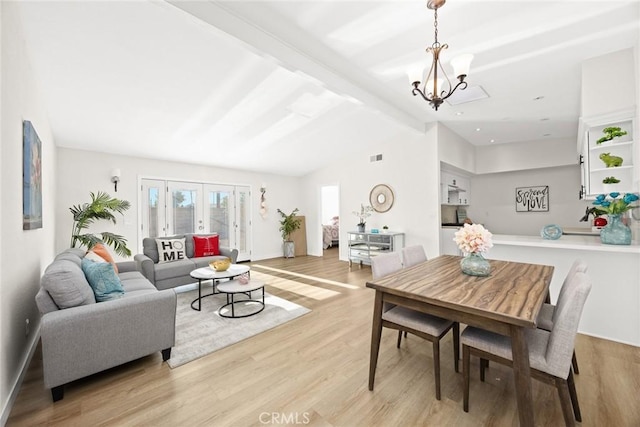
102	207
288	224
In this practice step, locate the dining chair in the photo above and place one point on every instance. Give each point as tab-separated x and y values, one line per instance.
431	328
548	312
549	351
412	255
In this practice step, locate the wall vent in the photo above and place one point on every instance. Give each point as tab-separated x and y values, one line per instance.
375	158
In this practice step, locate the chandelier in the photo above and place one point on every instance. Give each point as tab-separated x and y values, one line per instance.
437	85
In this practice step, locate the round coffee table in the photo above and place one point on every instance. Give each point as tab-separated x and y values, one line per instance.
208	273
233	287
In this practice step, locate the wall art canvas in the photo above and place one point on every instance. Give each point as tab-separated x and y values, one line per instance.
31	178
532	199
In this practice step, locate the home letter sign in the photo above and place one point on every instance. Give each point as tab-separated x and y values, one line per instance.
532	199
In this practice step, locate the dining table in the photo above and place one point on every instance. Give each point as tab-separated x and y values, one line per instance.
507	302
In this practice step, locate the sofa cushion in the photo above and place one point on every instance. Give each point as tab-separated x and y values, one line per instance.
103	280
135	281
206	245
66	284
100	251
170	250
170	270
150	246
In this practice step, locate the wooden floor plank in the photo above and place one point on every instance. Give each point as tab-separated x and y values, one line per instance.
315	368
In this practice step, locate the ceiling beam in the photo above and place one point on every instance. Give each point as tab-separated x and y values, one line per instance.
267	34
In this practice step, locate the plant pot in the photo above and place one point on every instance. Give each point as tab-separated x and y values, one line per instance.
615	232
361	228
289	249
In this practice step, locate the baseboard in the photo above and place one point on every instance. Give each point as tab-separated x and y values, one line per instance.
6	410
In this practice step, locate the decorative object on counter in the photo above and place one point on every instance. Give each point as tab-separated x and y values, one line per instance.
598	221
611	161
614	205
288	224
363	214
375	231
551	232
473	240
532	199
381	198
385	228
243	279
220	264
610	133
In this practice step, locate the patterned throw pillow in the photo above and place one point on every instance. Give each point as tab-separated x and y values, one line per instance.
206	245
100	251
103	279
170	250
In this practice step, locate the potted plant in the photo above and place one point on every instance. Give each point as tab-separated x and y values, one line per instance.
288	224
102	206
362	215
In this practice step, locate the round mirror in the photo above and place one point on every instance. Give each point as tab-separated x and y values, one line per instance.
381	198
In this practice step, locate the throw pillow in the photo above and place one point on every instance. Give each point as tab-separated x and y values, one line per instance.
206	246
101	250
170	250
103	280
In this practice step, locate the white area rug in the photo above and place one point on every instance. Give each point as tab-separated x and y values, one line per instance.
199	333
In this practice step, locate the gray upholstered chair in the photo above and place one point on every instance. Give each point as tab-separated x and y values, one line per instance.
548	312
549	352
431	328
412	255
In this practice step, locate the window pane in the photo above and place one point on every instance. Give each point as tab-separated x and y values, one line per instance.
219	215
184	211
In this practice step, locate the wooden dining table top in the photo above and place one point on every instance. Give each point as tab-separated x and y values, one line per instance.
513	292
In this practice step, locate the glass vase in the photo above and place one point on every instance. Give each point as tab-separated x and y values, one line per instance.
615	232
474	264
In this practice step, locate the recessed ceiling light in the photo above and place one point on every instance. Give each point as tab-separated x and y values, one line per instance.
547	134
477	129
459	113
493	140
538	98
544	119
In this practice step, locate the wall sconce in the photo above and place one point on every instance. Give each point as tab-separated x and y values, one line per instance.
263	201
115	178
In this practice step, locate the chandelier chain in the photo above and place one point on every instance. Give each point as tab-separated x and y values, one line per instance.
435	24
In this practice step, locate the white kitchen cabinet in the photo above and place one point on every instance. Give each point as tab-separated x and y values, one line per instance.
595	156
454	189
447	245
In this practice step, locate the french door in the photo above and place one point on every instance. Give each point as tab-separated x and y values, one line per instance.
175	207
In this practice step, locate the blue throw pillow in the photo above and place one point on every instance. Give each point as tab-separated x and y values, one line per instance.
103	280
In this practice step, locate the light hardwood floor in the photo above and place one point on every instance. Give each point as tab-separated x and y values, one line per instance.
314	371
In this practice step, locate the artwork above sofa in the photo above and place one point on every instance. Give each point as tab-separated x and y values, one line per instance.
179	257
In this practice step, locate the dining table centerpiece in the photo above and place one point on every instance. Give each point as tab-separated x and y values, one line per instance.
616	232
473	240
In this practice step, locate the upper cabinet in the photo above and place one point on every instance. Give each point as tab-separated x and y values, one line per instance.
608	157
454	189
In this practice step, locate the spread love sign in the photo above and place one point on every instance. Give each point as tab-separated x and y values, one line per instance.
532	199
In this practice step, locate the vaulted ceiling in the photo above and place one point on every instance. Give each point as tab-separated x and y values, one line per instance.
282	86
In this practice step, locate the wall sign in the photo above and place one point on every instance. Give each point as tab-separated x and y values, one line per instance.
532	199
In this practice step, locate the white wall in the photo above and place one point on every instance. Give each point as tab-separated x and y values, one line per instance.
24	254
608	83
82	172
413	177
526	155
493	201
455	151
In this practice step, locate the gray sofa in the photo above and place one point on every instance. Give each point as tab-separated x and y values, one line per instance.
175	273
81	337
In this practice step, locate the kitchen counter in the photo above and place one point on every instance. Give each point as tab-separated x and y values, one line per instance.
612	310
584	243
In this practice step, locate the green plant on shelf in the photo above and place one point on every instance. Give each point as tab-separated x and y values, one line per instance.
610	180
610	133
